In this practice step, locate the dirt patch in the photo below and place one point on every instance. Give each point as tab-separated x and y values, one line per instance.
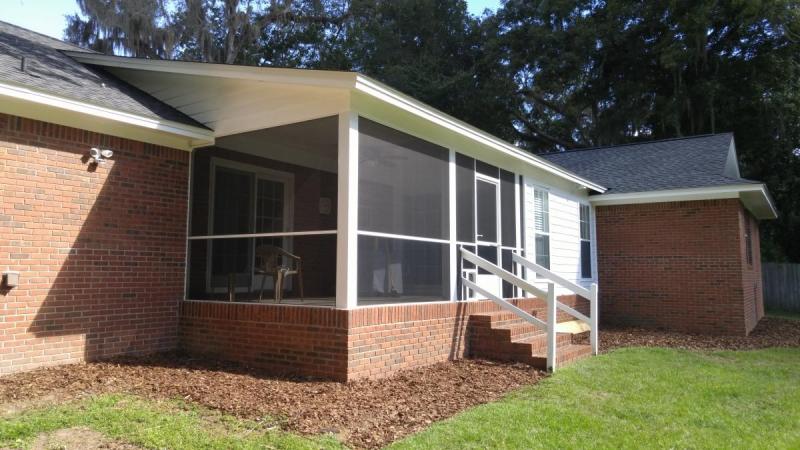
770	332
78	438
365	414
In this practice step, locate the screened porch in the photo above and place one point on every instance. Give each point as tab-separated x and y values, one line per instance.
344	212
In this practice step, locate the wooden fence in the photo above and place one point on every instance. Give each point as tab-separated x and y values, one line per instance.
781	286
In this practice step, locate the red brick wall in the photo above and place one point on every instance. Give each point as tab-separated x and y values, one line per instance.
101	250
329	343
677	266
751	279
386	339
281	339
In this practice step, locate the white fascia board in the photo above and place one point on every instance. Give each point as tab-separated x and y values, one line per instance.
404	102
196	136
766	206
340	80
308	77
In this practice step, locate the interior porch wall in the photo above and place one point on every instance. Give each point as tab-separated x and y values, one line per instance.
319	255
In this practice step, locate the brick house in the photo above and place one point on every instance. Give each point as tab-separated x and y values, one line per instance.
311	223
677	229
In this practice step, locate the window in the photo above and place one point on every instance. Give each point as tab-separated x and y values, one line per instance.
748	240
586	241
541	224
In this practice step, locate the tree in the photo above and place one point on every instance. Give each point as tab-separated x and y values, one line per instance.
433	50
599	73
545	74
221	31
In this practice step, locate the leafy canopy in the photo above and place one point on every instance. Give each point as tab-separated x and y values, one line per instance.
544	74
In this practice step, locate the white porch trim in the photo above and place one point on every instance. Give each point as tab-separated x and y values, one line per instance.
347	213
754	196
26	102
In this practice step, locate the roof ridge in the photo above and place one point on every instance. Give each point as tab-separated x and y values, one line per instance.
629	144
60	41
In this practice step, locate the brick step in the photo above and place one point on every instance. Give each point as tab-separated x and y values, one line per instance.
504	336
501	319
564	355
518	331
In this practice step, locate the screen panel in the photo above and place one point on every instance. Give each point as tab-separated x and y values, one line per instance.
400	270
508	218
403	183
465	198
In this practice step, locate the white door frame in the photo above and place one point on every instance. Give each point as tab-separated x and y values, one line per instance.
489	282
258	172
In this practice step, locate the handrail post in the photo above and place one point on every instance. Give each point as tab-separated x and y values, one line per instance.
593	308
551	327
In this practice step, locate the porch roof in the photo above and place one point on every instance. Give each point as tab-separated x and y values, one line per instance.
224	98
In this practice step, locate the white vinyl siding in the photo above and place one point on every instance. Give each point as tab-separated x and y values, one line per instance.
565	235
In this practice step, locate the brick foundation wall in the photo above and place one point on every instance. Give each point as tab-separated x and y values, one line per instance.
101	250
386	339
279	339
335	344
678	266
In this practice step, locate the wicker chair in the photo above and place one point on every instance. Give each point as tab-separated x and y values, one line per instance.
279	264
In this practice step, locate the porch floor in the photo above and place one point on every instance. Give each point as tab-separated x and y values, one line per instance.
330	302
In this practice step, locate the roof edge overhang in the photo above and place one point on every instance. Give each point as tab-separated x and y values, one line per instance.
26	102
310	77
339	80
754	197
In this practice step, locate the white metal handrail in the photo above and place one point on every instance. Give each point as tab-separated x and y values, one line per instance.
589	294
549	295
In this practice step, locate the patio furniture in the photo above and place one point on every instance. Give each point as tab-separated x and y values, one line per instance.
279	264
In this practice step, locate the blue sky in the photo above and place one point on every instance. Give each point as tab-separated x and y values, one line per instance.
47	16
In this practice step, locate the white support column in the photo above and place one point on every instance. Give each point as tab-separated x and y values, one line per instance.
347	213
594	307
520	271
552	319
454	272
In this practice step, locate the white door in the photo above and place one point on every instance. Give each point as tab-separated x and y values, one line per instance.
487	204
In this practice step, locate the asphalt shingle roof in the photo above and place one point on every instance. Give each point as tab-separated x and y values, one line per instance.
680	163
49	70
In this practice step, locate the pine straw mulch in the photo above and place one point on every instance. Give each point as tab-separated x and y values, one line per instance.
364	414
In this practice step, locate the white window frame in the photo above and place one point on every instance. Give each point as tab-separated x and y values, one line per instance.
589	239
536	233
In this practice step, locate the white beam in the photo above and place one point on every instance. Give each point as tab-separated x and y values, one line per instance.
451	184
347	213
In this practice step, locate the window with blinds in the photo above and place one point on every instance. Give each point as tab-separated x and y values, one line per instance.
541	225
586	241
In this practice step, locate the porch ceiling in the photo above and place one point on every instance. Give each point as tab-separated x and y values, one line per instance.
231	106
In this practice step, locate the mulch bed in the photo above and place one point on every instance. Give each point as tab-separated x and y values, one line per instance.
364	414
770	332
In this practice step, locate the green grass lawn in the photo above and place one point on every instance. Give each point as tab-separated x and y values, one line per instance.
641	398
157	425
629	398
